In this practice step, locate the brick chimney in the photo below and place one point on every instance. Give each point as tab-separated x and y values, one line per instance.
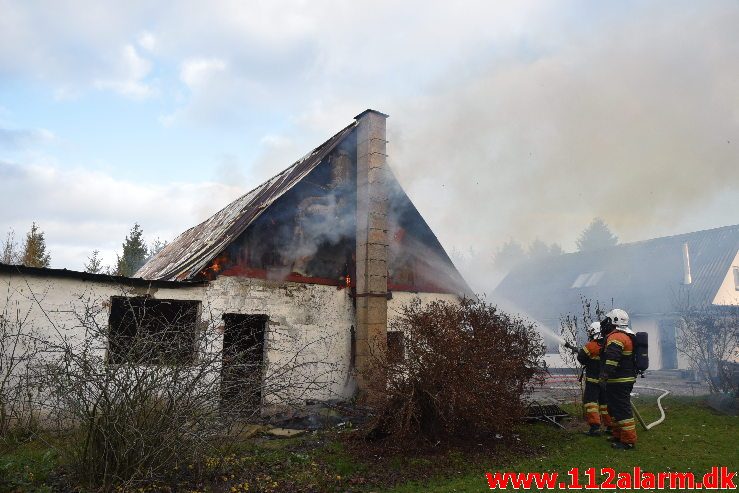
372	242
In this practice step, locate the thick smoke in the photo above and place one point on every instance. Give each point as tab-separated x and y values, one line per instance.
637	123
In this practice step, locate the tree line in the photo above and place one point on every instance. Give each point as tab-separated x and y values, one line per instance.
33	252
595	236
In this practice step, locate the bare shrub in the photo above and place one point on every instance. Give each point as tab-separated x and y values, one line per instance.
465	371
19	350
709	339
573	328
142	401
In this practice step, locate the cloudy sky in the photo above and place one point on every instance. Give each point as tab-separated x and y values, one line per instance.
520	119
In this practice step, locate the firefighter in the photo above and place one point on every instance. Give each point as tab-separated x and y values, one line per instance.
594	398
617	376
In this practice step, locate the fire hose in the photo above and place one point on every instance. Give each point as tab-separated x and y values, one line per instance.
649	426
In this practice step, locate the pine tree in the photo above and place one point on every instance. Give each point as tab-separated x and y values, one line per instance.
555	249
34	249
94	263
596	236
134	253
156	246
9	253
509	256
539	250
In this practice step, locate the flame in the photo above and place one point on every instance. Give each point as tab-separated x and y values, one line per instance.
348	281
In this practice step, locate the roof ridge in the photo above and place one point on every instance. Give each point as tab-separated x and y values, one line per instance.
730	226
183	257
271	178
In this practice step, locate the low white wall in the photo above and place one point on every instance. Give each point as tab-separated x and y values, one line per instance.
52	305
308	330
402	298
309	325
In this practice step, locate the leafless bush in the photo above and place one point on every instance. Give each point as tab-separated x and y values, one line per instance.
19	349
465	370
573	328
141	400
708	336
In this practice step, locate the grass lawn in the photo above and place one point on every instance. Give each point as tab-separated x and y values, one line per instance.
693	438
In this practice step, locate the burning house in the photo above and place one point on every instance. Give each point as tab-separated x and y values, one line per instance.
327	250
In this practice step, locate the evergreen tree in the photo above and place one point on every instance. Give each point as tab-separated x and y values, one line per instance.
34	249
9	253
596	236
156	246
509	256
94	263
555	249
539	250
134	254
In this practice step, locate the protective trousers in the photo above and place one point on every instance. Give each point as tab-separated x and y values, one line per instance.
619	406
591	403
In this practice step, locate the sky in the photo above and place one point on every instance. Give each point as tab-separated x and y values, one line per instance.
508	120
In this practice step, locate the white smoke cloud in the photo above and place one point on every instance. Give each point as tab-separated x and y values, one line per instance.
507	119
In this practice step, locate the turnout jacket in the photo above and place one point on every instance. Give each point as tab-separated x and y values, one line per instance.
618	360
589	357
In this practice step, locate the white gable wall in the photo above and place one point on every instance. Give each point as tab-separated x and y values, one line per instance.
727	294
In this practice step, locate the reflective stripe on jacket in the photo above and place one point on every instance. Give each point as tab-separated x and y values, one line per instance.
618	360
589	357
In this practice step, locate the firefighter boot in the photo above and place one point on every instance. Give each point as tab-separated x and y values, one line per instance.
594	431
623	446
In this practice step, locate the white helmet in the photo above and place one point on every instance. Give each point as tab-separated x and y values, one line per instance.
618	317
593	330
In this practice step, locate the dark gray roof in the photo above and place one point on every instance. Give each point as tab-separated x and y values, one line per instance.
642	277
192	250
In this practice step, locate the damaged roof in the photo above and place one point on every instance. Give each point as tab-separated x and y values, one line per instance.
644	278
191	251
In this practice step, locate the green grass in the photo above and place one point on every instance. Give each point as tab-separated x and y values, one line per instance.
27	468
693	438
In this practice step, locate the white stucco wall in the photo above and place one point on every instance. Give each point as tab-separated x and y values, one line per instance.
308	333
727	294
402	298
50	305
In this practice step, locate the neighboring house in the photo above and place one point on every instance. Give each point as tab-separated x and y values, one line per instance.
650	279
328	250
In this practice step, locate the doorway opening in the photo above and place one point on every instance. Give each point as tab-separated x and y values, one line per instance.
243	361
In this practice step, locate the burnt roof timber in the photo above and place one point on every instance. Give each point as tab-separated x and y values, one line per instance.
101	278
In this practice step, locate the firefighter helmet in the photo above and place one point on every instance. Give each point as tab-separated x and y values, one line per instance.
593	330
618	317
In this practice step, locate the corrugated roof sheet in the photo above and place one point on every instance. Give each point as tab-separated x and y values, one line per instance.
643	277
191	251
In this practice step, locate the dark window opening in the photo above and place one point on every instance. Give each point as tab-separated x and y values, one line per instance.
144	330
395	347
243	359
